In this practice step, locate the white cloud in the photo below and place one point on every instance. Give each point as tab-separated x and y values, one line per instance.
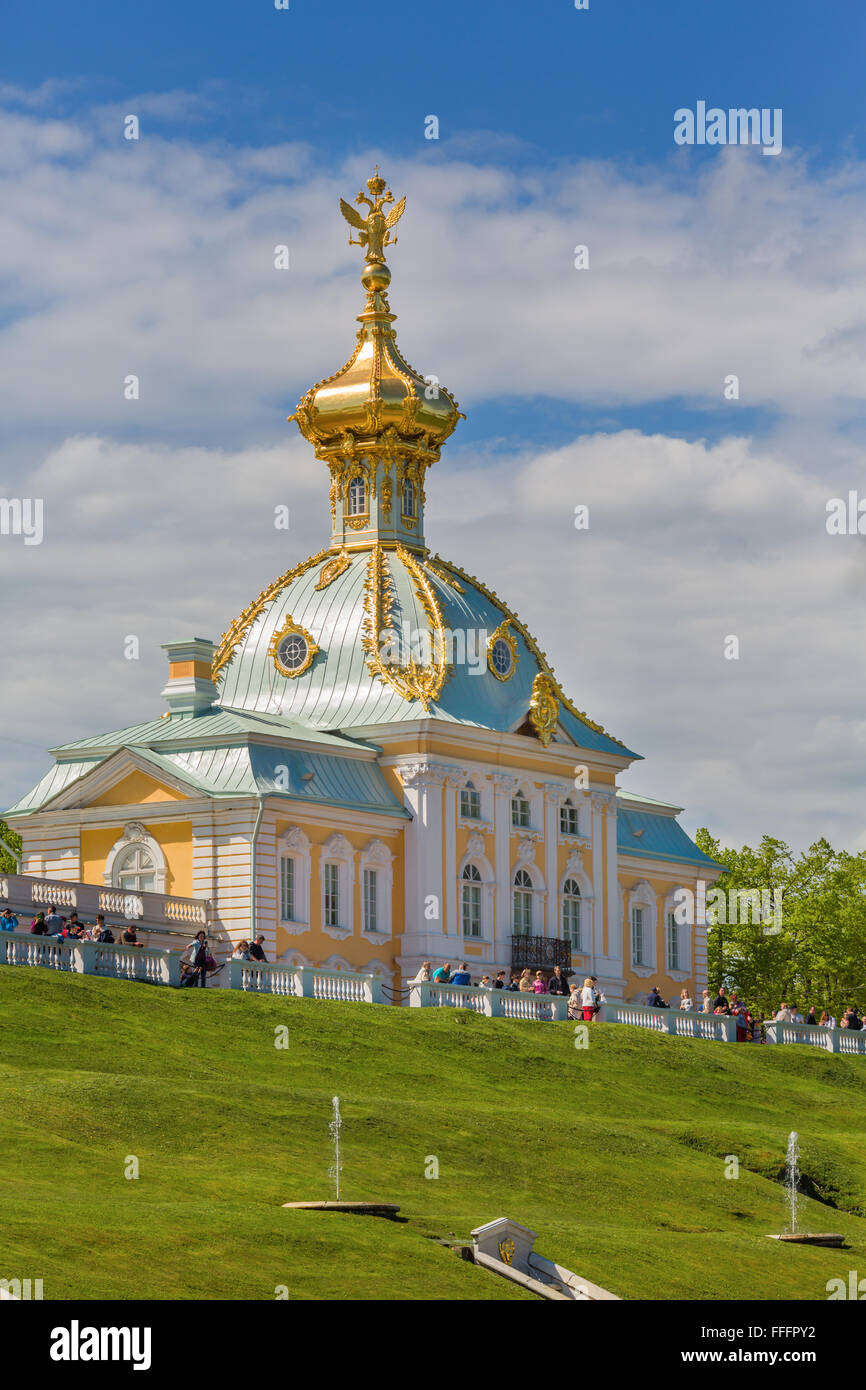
156	258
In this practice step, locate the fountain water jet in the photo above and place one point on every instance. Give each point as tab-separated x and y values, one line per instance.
387	1209
792	1189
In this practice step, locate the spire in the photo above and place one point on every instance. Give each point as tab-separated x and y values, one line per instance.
377	423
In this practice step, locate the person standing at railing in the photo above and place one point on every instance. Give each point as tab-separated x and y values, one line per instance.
796	1016
129	937
686	1003
257	950
525	985
587	1000
442	975
461	976
101	932
810	1017
783	1015
706	1002
826	1020
557	984
241	951
499	982
654	999
53	921
423	975
196	958
37	926
8	920
538	984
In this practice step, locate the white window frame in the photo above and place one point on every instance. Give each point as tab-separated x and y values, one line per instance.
520	795
525	891
135	836
487	885
643	897
470	879
376	856
293	844
470	789
683	970
337	851
568	807
577	898
350	495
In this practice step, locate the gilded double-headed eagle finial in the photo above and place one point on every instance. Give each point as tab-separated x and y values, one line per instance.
374	229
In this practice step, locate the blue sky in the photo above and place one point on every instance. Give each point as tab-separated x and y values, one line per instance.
601	387
602	82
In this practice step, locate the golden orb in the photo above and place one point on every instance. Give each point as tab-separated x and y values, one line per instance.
375	276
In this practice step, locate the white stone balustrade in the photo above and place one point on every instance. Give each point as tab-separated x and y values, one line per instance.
679	1023
24	893
305	982
845	1040
118	961
493	1003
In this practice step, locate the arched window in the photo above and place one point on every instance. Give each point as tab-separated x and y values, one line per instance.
522	904
470	802
571	912
568	818
520	810
408	498
135	870
357	497
471	901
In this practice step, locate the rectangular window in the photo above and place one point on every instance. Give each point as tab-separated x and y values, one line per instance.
520	812
637	945
371	881
571	922
568	820
332	895
673	943
471	909
522	914
287	890
470	803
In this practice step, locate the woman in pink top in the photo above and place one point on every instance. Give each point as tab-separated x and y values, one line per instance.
538	983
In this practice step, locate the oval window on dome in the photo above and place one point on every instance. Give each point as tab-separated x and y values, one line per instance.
502	652
292	650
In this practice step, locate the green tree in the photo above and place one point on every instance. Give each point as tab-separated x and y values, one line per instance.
7	862
815	953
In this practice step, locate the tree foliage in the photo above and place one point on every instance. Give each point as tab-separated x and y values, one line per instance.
816	952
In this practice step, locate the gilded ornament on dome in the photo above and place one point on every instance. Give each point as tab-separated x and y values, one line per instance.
544	707
292	649
333	569
375	228
502	652
412	679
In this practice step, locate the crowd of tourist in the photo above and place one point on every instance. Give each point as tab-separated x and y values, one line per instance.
584	1001
53	923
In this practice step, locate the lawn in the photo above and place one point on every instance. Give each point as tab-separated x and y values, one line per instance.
615	1154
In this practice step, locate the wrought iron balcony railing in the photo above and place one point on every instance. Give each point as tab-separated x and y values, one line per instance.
539	953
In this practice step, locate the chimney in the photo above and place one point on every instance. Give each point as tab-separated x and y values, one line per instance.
189	689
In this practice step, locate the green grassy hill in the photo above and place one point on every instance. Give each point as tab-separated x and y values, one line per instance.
615	1155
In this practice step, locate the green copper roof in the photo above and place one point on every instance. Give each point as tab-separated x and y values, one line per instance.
338	691
652	836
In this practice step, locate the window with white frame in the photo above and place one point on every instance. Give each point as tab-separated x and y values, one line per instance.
408	498
288	901
135	870
674	956
520	811
638	943
470	802
471	901
571	912
357	497
521	904
331	903
568	818
371	900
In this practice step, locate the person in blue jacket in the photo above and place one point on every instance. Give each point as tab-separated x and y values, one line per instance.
8	920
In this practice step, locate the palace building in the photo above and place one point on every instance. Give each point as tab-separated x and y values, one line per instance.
376	765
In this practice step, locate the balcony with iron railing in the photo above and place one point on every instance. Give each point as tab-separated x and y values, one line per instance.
540	953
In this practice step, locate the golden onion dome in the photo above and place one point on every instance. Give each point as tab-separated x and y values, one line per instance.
376	392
